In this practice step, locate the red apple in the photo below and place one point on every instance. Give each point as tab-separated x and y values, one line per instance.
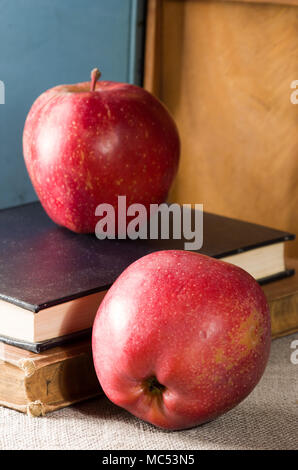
181	338
86	144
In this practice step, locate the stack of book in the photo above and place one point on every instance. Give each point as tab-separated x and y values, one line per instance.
52	282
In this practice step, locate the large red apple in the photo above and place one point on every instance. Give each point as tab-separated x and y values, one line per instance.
85	144
181	338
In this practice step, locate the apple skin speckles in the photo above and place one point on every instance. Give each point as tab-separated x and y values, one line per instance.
196	327
84	148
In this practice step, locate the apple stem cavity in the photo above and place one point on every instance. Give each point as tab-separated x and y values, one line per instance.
152	386
95	75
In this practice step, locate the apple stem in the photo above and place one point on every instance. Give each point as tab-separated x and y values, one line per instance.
95	75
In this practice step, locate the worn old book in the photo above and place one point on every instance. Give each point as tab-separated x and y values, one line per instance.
39	383
52	280
283	301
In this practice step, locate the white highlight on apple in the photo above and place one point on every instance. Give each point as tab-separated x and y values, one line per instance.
165	221
2	92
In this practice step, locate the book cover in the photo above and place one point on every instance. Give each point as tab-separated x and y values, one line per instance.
39	383
42	264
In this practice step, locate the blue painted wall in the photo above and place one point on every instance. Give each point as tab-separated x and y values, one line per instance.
44	43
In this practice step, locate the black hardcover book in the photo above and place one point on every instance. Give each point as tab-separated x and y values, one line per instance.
52	280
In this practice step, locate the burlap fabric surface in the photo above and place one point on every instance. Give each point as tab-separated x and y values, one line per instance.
267	419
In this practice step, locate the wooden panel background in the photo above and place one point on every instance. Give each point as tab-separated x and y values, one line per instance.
224	70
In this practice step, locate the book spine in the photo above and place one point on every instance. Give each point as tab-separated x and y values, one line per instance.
284	316
48	388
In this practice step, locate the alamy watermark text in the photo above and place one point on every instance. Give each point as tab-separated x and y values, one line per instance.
163	222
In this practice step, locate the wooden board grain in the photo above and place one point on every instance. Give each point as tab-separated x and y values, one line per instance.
224	70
